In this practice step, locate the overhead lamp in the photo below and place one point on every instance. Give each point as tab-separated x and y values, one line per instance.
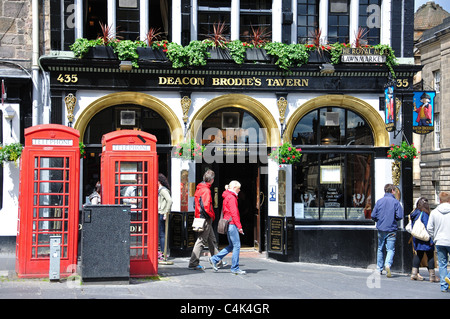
326	68
125	66
9	114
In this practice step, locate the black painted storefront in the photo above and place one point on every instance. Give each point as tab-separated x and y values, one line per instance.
341	243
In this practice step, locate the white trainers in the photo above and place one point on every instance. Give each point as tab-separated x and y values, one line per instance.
238	272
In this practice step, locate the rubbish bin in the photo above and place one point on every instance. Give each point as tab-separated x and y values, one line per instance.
105	243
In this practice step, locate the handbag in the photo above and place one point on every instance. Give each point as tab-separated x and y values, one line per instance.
419	231
222	226
408	227
198	225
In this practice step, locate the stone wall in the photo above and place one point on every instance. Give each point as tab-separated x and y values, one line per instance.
435	162
16	33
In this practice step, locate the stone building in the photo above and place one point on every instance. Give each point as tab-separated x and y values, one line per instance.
335	112
427	16
435	58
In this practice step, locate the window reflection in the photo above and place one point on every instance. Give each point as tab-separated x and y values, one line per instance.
335	184
332	126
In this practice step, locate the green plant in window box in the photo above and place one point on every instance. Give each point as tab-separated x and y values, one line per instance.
126	51
287	55
10	153
194	54
285	154
189	150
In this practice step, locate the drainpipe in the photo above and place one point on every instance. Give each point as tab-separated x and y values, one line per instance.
35	63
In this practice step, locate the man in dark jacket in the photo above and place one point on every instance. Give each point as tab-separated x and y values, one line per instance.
204	209
386	213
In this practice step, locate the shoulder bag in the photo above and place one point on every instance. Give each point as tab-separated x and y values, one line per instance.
408	227
419	231
222	227
198	225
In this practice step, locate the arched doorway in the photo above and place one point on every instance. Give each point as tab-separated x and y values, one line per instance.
236	130
335	180
125	110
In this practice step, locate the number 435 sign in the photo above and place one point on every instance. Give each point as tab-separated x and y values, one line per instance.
67	78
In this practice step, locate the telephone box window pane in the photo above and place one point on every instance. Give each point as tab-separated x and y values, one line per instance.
51	175
50	226
50	162
43	252
50	213
51	188
50	200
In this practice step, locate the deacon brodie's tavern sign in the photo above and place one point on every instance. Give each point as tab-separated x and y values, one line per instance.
365	79
365	75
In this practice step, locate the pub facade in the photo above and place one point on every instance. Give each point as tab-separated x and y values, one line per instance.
316	210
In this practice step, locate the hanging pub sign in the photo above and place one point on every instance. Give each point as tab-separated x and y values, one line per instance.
423	112
389	108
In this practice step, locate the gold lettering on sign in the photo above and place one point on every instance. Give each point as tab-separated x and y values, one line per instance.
287	82
180	81
236	81
252	81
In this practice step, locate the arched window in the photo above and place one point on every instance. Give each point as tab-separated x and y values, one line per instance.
335	177
231	126
332	126
126	116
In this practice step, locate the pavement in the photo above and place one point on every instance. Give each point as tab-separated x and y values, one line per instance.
266	280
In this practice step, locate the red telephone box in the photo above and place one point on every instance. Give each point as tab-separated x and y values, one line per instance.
129	175
48	199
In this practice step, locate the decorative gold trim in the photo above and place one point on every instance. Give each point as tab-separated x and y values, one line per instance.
373	118
185	106
241	101
282	105
70	100
131	98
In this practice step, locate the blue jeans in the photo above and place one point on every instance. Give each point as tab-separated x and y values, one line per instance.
385	239
442	255
162	232
234	245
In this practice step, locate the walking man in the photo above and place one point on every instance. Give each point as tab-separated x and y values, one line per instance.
439	229
204	206
386	213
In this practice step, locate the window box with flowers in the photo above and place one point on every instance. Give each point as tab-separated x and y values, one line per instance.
401	153
10	153
285	154
189	150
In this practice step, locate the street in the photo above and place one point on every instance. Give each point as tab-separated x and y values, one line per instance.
265	279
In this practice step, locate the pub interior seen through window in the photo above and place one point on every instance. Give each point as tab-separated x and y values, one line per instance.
333	182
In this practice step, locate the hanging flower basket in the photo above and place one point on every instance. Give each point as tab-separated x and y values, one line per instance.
189	150
10	153
403	152
285	154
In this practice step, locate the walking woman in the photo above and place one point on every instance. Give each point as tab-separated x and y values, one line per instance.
421	247
230	209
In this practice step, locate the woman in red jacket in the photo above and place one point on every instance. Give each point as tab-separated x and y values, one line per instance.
230	209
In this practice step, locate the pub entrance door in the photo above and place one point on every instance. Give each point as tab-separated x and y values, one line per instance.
251	199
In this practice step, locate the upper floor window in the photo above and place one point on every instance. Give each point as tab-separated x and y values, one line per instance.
212	13
307	20
255	16
339	21
96	14
370	20
128	19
